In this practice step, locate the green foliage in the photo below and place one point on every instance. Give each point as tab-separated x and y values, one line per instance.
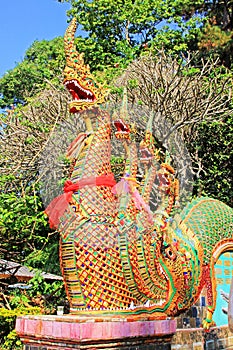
118	31
20	306
214	146
43	60
23	225
53	293
215	38
40	298
11	341
47	258
217	43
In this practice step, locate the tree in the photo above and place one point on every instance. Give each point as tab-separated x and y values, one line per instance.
22	222
119	30
190	104
43	61
39	297
215	38
25	132
213	146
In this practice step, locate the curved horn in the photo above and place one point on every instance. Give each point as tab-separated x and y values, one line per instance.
72	55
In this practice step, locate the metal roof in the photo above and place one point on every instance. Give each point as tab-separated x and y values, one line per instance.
11	268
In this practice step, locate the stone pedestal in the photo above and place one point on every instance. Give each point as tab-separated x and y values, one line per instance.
92	333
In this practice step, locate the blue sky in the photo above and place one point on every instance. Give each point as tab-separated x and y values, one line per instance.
23	22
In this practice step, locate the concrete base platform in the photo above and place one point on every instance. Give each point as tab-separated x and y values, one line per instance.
92	333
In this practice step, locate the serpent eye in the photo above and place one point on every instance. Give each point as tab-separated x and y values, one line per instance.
89	82
170	253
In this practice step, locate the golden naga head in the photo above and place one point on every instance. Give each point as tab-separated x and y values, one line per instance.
79	81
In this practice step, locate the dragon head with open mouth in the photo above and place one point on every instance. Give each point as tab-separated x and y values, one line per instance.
146	152
122	129
82	85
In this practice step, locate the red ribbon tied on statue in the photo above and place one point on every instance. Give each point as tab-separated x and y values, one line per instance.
58	206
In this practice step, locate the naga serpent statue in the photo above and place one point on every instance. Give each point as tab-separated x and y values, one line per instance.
117	257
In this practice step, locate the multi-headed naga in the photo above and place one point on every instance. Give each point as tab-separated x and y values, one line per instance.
117	257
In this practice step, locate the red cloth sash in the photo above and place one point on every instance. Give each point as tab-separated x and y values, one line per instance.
58	206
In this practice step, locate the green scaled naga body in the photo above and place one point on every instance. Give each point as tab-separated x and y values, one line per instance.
117	257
